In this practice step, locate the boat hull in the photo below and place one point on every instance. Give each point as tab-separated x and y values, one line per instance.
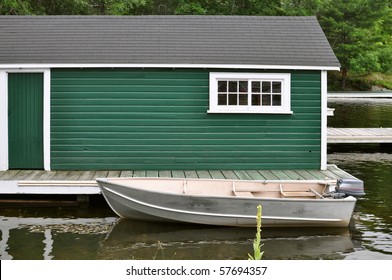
135	203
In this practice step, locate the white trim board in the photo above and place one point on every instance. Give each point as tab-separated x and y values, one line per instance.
4	159
130	65
324	116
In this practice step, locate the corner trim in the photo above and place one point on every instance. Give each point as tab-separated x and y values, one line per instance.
324	115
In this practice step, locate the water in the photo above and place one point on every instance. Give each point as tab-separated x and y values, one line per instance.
96	232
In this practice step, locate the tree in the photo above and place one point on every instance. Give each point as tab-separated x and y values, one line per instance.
15	7
355	31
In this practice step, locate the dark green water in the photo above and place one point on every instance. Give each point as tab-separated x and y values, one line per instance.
96	232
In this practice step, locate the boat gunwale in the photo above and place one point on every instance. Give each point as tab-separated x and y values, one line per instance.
325	200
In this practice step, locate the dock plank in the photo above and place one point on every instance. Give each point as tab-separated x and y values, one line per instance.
191	174
73	175
35	175
216	174
126	173
268	175
330	174
100	174
114	174
293	175
10	174
60	175
165	173
229	174
152	173
340	173
255	175
281	174
178	174
242	175
359	135
22	174
87	175
139	173
203	174
47	176
306	175
318	174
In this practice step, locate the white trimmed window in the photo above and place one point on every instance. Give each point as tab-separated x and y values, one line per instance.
250	93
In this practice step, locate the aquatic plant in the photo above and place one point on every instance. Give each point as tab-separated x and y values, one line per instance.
257	253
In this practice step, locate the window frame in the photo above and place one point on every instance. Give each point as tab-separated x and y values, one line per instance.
284	78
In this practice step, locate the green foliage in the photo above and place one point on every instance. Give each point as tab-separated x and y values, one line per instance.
385	57
357	33
190	8
15	7
257	253
364	63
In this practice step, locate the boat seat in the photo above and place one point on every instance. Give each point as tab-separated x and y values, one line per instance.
243	194
308	194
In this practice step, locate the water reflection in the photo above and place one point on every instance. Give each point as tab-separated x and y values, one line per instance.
374	211
113	238
139	240
51	238
361	112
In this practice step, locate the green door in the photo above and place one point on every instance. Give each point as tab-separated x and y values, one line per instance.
25	121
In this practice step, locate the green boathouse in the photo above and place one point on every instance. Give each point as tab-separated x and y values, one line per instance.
163	92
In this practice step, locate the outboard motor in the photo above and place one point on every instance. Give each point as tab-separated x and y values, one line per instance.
353	187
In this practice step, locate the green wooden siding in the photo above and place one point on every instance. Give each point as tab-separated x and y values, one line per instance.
25	120
156	119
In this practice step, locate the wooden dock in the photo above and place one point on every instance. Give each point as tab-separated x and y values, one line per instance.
83	182
359	135
360	94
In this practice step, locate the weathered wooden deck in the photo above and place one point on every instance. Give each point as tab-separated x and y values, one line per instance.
360	94
83	182
359	135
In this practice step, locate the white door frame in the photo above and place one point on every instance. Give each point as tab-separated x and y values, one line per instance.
4	157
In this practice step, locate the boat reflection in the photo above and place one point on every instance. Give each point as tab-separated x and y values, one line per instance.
115	238
130	239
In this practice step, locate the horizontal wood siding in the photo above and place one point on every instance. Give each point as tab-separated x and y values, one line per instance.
152	119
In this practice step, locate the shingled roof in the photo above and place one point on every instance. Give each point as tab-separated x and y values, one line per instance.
209	40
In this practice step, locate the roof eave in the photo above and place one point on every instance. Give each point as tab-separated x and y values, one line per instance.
128	65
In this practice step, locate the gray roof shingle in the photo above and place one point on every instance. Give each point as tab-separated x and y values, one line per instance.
234	40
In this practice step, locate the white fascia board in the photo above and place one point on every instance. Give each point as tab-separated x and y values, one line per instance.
209	66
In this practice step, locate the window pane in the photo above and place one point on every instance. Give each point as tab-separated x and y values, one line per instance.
255	99
255	87
266	87
233	86
233	99
243	99
243	86
222	99
222	86
266	100
276	100
276	87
